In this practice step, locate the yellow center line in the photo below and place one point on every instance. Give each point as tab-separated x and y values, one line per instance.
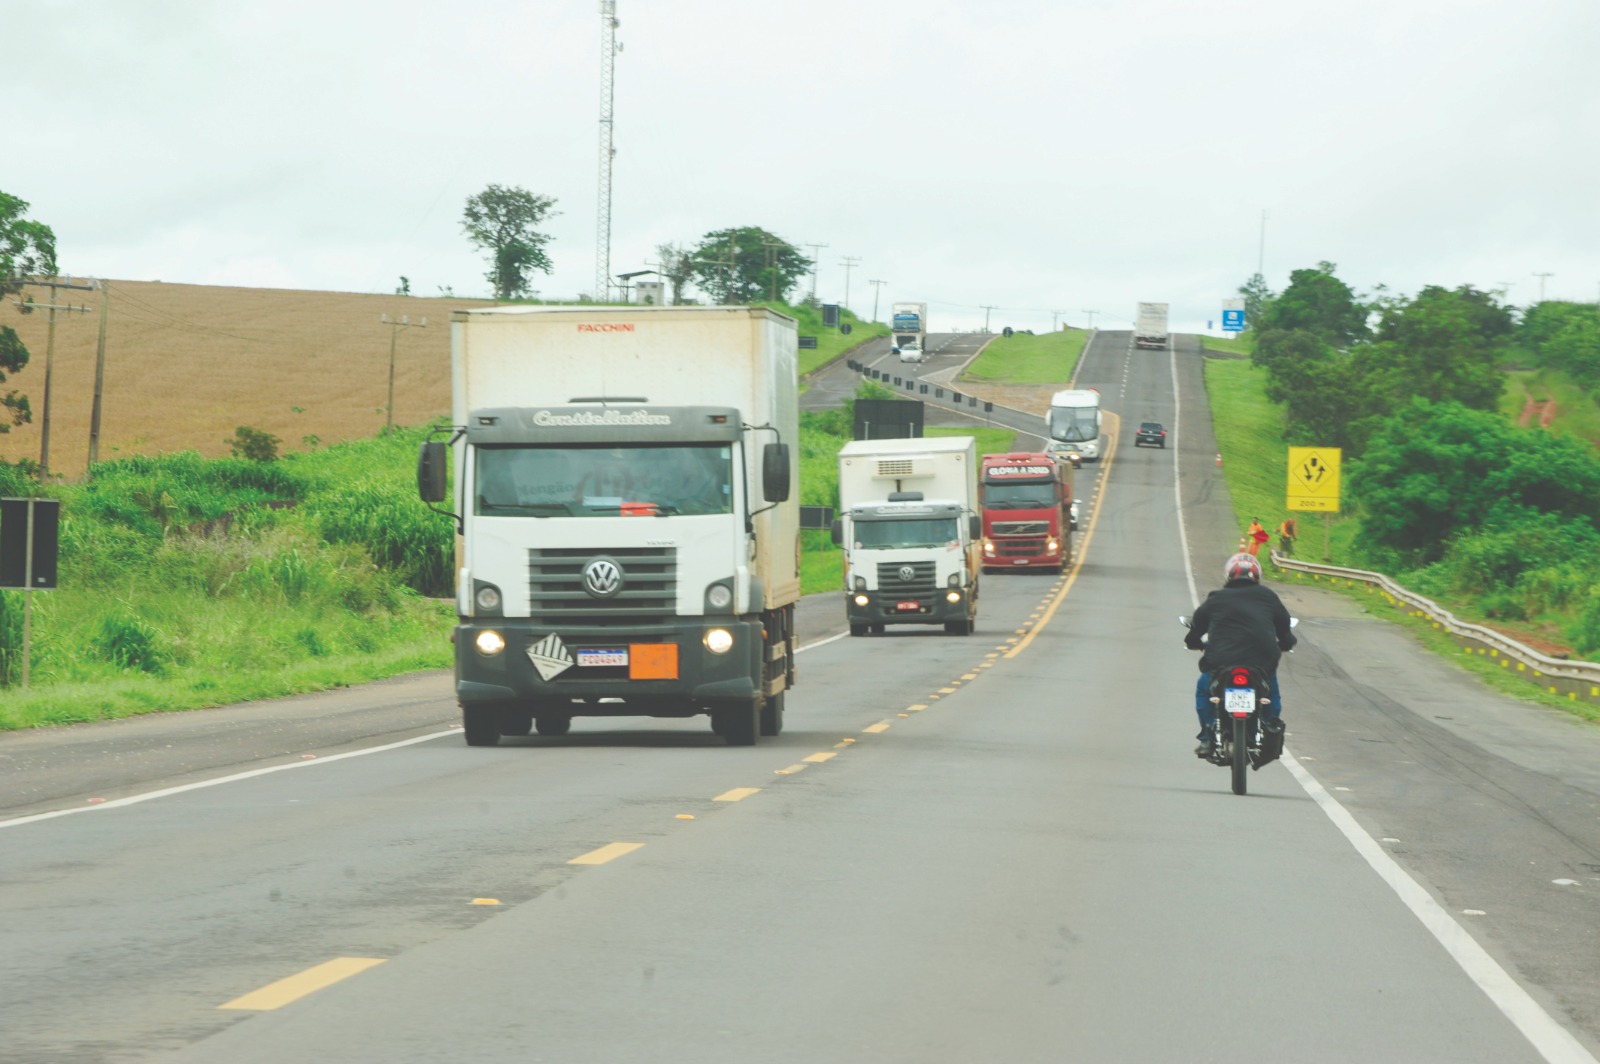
1077	561
916	706
790	771
738	794
877	729
947	690
285	991
819	758
609	852
969	676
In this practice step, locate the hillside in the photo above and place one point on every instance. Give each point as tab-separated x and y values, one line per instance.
186	364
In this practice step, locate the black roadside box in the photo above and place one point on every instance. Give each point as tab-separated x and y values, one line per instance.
15	515
888	419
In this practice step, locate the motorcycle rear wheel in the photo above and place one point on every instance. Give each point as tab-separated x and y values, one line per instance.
1241	754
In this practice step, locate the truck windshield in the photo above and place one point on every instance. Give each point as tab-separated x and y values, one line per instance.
908	532
1074	424
523	481
1014	495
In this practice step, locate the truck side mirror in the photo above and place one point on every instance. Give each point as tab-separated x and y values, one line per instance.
432	468
837	531
775	472
975	528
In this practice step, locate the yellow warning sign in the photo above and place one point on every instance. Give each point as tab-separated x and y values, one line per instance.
1314	479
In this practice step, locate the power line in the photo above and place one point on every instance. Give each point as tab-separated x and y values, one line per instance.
815	258
53	284
848	262
404	322
876	291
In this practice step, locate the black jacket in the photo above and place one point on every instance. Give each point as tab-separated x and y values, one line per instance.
1248	626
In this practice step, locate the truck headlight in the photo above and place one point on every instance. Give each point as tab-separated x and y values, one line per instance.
488	598
1051	546
862	600
719	640
490	642
861	583
988	546
720	597
952	596
955	580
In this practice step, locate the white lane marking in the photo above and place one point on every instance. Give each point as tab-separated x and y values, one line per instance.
1552	1041
1549	1038
167	791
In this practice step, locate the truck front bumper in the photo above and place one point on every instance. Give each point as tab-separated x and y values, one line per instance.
1022	552
665	669
876	607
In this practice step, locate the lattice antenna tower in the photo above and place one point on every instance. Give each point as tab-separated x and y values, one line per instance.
608	77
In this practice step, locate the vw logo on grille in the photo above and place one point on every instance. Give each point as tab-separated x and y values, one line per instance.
906	573
602	578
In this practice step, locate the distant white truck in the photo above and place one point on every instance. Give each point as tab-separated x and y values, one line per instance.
909	325
911	531
1150	326
629	540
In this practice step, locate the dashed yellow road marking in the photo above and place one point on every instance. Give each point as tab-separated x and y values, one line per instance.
916	707
877	729
969	676
790	771
819	758
285	991
947	690
486	901
609	852
738	794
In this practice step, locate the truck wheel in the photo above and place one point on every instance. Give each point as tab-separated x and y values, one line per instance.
877	629
515	722
552	724
858	629
772	715
481	725
740	723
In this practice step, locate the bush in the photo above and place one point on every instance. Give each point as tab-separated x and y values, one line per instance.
253	444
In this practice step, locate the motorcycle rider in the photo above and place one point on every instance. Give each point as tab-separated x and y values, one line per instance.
1248	627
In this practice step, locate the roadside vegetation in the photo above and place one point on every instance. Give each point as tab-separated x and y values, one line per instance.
1026	358
1443	490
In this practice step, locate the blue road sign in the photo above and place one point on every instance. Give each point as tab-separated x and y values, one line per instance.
1233	321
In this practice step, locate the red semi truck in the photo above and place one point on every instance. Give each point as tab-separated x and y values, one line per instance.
1026	498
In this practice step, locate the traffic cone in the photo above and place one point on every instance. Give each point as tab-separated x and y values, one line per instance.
1219	460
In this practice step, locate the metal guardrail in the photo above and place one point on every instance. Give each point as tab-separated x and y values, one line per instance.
1577	680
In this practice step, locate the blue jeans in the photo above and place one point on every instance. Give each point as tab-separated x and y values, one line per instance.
1208	713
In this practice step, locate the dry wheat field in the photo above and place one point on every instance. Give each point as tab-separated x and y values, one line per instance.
186	364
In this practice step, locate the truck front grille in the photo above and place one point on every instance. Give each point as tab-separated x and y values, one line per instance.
920	582
556	591
1021	528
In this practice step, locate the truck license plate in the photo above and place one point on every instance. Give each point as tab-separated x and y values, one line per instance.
1239	701
908	607
589	659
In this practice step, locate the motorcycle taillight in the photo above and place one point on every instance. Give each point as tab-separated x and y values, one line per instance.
1241	678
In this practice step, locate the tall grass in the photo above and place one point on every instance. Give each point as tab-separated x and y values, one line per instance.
1025	358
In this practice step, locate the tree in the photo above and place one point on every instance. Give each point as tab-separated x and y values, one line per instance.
1257	299
746	264
677	269
502	221
1444	346
27	249
1319	303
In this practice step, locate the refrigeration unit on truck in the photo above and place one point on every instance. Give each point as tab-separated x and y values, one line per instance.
1150	325
1026	497
910	530
629	538
1073	425
909	324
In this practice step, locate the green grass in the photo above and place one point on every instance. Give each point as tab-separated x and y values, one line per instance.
1576	411
1242	344
831	343
1024	358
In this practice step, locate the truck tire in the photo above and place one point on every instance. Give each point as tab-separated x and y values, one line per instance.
858	629
552	724
481	725
772	715
738	723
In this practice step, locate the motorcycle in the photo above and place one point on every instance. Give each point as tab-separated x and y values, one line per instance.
1242	734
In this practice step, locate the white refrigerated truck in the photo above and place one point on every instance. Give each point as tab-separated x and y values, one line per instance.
1150	325
629	541
911	532
909	323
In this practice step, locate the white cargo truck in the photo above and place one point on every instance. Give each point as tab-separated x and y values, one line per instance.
629	542
1150	325
911	532
909	324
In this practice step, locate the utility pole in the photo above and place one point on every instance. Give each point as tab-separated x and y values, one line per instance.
848	262
1261	252
608	152
404	322
1091	314
986	309
772	274
876	292
1055	317
815	258
99	375
1541	277
49	355
727	265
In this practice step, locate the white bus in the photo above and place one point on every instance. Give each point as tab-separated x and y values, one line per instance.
1073	424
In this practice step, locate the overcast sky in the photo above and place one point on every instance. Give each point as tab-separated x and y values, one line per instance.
1032	155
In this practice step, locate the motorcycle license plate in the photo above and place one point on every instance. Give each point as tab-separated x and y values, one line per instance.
908	607
1239	701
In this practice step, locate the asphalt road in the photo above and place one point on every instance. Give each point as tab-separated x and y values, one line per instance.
988	848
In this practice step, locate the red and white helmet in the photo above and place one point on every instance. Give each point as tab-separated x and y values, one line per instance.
1242	567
